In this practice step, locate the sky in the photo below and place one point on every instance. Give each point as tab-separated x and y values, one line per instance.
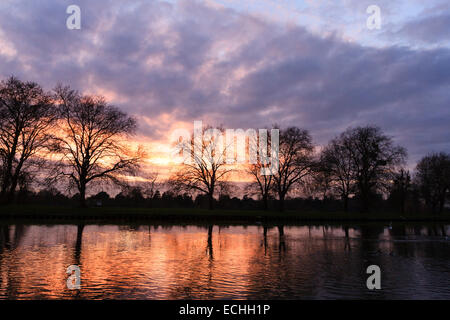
245	64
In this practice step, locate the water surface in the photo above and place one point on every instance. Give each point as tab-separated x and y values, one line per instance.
224	262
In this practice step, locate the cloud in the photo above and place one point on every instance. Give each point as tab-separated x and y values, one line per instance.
196	61
430	29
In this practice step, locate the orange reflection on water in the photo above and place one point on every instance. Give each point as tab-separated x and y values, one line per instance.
217	262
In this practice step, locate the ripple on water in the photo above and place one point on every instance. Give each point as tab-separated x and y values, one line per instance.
236	262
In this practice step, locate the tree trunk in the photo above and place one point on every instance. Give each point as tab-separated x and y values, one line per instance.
7	174
3	191
15	181
11	194
345	198
281	202
83	196
210	202
4	194
12	189
265	202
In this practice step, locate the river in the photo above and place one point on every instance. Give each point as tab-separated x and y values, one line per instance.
225	262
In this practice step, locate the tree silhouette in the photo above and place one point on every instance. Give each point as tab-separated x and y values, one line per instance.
205	168
91	142
374	159
262	184
295	160
433	179
401	188
337	162
26	114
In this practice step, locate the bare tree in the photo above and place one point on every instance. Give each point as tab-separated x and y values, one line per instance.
204	169
401	188
93	141
432	177
146	184
295	160
337	163
262	184
149	185
26	115
321	181
374	160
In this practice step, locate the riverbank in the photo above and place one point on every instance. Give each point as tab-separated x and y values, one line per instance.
61	213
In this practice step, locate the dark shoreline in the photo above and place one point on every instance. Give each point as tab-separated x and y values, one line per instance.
55	214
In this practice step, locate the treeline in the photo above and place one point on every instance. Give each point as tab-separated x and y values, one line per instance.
360	169
63	142
60	138
136	197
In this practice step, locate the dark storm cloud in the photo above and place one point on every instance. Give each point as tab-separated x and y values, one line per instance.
196	61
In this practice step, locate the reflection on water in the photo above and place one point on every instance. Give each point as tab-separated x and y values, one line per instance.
224	262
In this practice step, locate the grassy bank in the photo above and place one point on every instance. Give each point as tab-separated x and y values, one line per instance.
60	213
